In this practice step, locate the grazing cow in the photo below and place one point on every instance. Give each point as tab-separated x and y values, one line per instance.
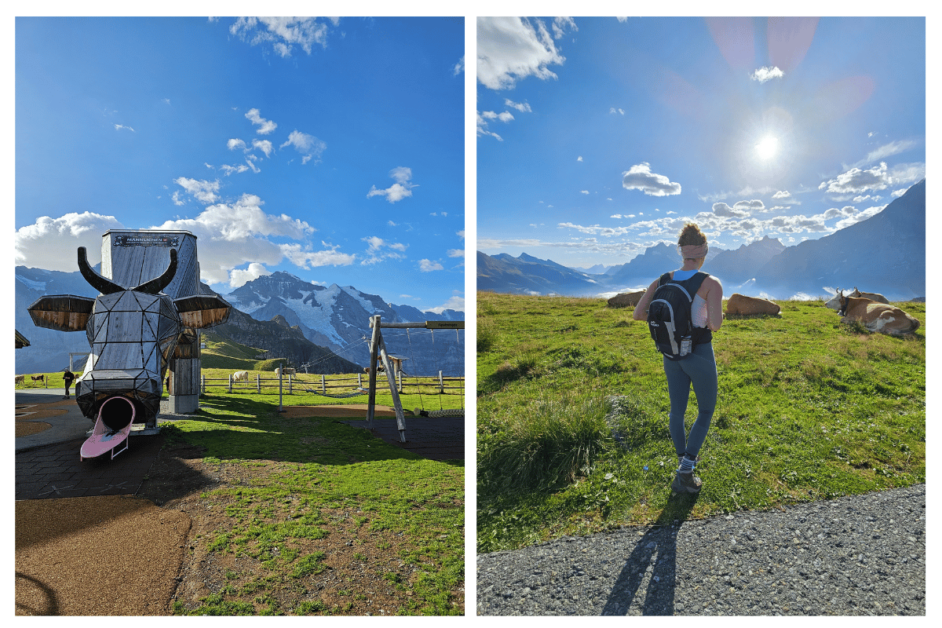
20	379
133	333
873	296
751	306
626	299
379	369
37	378
240	376
880	317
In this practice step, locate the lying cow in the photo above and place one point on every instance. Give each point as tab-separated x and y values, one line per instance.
133	333
873	296
240	376
880	317
751	306
626	299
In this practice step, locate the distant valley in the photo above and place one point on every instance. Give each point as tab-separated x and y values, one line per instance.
885	253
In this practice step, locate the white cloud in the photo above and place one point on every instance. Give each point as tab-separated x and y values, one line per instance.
766	74
887	150
579	158
482	125
427	266
119	127
614	110
208	166
51	243
455	252
860	216
375	252
596	229
306	258
725	211
454	303
235	143
640	177
283	33
264	126
238	278
230	169
203	191
400	189
512	48
250	162
622	19
177	198
781	194
899	193
391	224
263	145
522	107
460	234
459	67
584	191
855	181
307	145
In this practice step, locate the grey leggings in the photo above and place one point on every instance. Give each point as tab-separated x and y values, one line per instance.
699	368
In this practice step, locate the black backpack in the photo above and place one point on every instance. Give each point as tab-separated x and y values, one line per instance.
669	316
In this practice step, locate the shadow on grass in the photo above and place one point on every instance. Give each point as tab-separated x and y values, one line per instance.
242	429
656	549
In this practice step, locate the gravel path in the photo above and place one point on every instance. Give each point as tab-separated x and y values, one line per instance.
862	555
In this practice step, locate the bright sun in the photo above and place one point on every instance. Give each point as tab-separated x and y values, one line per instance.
767	147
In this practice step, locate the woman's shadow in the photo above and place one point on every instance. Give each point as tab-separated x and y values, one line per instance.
655	551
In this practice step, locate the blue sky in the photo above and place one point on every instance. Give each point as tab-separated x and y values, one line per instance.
599	137
329	148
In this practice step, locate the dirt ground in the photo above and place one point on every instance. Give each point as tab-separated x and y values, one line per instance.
123	555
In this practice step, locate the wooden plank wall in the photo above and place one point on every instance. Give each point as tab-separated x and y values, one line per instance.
131	266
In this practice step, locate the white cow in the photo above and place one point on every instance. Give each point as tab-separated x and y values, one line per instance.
240	376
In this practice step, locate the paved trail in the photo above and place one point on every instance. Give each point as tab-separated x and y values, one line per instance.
862	555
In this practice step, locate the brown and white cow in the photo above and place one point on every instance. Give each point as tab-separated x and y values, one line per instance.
626	299
873	296
878	317
751	306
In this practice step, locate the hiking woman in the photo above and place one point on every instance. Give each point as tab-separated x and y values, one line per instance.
698	368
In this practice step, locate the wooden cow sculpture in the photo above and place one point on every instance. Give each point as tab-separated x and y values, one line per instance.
133	333
626	299
751	306
879	317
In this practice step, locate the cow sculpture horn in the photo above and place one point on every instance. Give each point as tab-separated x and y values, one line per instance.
156	285
103	285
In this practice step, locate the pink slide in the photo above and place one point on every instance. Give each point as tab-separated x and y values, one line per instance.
106	436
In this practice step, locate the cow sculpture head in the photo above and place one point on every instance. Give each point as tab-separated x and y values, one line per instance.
132	333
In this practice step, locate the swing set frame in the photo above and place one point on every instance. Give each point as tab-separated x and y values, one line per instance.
378	353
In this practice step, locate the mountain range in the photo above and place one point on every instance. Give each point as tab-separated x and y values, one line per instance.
287	317
885	253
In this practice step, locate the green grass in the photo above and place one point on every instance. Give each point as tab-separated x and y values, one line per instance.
808	409
306	467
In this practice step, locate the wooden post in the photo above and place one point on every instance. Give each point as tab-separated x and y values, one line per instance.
230	383
399	382
441	384
400	417
202	383
289	383
280	408
374	349
258	382
323	384
359	380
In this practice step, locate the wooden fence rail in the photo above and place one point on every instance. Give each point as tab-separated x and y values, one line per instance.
421	384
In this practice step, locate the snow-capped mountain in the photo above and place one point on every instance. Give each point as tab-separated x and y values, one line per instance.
338	318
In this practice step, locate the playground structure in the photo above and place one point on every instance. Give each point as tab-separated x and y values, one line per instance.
136	333
378	353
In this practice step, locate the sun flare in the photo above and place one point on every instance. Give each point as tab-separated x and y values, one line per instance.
767	147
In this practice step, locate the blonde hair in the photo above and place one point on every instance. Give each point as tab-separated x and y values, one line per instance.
691	235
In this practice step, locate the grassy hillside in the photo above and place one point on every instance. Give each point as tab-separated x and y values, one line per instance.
222	353
808	409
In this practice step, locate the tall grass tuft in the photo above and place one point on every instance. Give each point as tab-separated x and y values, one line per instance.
547	443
